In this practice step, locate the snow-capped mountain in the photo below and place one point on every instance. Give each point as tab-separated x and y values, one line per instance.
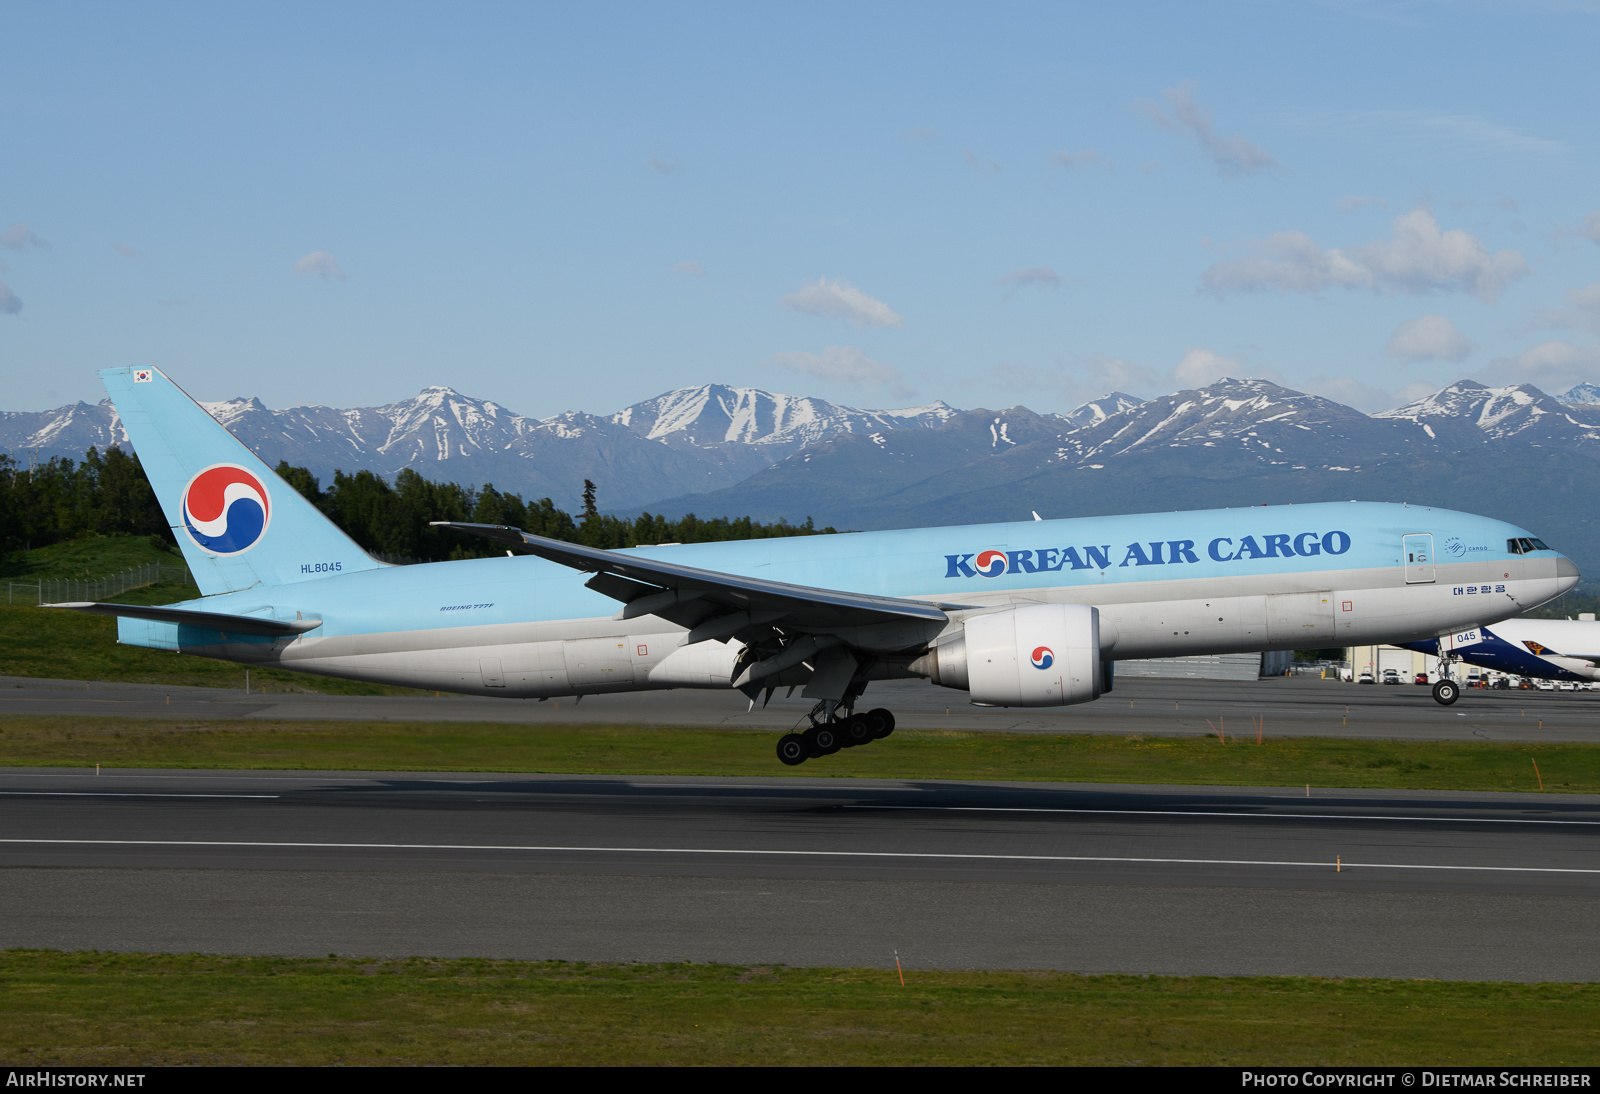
1521	411
1255	415
690	440
1098	410
714	414
1582	395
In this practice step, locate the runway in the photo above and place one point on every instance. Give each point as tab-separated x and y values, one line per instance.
1291	706
1089	878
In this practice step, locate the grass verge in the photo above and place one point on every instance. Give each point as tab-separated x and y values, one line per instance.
88	558
53	643
65	741
128	1009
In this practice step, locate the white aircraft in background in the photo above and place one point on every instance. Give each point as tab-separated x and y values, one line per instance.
1549	649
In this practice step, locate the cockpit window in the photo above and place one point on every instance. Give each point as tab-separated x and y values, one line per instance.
1525	544
1538	545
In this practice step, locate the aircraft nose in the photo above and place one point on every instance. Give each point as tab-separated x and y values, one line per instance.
1567	574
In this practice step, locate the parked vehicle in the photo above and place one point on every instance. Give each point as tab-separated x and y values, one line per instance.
1391	676
1422	678
1566	685
1365	678
1544	685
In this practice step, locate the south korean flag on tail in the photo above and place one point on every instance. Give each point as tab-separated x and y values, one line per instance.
143	375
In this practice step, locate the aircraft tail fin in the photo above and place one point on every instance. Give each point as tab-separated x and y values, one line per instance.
238	524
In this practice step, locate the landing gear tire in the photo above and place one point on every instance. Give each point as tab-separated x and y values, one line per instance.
855	730
792	749
881	721
824	739
1446	692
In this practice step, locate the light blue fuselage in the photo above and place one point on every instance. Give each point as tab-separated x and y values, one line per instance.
1166	584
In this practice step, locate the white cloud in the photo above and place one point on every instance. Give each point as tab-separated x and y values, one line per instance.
19	237
842	300
1358	201
1419	258
693	268
320	264
1074	160
1591	227
843	365
1199	367
1429	338
1549	366
1232	155
10	303
1043	276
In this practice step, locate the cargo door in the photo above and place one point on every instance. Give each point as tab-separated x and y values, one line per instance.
598	661
493	676
1418	548
1300	621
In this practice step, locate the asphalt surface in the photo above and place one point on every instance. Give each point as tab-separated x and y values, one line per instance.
805	872
1290	706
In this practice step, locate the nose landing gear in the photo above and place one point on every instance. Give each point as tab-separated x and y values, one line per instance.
1446	691
829	733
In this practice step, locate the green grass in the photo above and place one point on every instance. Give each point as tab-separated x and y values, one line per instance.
138	1009
87	558
66	741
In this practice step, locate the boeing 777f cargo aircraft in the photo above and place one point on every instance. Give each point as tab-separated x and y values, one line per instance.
1031	614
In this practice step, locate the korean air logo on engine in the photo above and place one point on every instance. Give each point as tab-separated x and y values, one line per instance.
226	509
1043	657
990	563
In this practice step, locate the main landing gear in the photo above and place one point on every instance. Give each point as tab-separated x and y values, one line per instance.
828	735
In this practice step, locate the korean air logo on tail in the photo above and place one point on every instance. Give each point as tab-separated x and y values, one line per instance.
991	563
226	509
1043	657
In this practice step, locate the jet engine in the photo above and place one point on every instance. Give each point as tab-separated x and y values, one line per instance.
1035	655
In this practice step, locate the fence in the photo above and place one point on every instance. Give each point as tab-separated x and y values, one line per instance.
69	590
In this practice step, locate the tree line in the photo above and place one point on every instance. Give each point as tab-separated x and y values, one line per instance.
107	493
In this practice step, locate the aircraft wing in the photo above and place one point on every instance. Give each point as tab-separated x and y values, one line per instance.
699	598
221	621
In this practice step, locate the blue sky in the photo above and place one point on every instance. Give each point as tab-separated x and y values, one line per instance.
579	206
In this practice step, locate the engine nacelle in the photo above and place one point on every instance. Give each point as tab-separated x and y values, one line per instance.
1036	655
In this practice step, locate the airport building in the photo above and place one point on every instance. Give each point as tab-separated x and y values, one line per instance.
1378	659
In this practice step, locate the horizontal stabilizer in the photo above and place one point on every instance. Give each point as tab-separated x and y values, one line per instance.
219	621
